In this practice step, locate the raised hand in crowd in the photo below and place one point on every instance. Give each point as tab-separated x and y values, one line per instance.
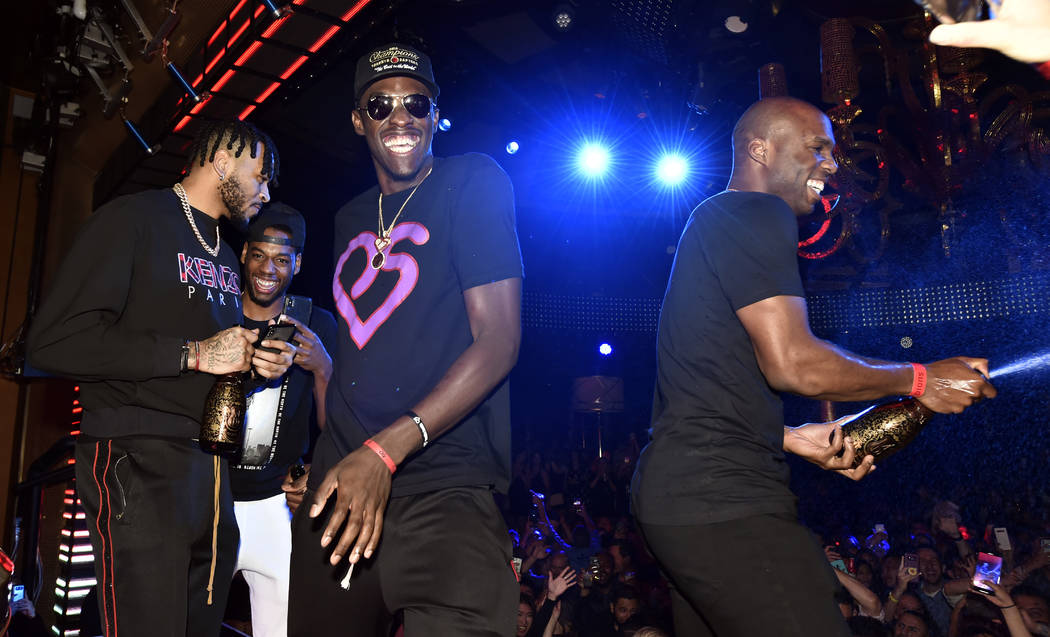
1011	613
558	584
905	576
1020	29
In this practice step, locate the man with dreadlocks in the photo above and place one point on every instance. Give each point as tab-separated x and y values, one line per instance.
140	313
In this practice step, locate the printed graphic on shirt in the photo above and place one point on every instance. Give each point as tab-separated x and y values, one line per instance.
214	283
262	426
362	329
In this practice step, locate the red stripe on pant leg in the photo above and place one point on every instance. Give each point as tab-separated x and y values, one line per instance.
101	586
109	532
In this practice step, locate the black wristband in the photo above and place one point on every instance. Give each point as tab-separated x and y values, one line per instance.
184	361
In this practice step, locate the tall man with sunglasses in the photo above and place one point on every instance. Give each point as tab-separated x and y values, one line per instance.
427	285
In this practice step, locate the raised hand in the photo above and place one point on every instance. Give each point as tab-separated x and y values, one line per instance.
1020	29
556	586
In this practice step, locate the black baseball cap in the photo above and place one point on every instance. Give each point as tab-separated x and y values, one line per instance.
393	60
279	214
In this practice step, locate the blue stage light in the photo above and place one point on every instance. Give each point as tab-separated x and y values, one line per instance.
605	349
512	146
444	124
593	160
672	169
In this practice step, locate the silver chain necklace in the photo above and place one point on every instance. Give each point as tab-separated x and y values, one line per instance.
181	192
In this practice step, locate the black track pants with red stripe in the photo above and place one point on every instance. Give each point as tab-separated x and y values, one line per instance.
149	507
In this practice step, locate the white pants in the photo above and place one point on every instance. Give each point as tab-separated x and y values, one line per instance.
263	559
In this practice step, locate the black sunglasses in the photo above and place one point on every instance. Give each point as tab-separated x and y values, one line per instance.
379	107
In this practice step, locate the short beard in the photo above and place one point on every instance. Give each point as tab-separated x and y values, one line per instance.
236	202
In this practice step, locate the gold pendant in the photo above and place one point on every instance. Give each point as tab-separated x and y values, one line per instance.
378	261
382	242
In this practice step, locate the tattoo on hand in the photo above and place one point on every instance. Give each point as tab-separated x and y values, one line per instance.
223	350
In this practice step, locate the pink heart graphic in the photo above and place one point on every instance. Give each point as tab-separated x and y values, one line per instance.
408	276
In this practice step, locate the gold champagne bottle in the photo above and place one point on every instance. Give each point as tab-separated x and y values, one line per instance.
885	429
222	425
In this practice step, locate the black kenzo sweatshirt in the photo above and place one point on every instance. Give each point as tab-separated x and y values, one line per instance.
135	285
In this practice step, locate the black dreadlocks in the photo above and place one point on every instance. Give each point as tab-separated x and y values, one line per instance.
229	134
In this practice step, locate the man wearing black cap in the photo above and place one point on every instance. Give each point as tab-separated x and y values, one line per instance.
418	431
277	427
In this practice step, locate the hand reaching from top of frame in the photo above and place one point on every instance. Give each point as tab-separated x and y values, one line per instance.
1020	29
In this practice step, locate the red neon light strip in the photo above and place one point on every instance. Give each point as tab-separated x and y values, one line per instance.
267	93
294	67
254	47
325	38
354	9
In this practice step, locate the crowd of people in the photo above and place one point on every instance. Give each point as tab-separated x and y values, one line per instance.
585	570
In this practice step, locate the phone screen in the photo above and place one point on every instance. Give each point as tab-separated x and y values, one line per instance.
841	565
1044	544
279	332
18	593
988	568
911	563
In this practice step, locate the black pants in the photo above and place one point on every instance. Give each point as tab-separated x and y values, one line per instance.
149	509
443	560
761	575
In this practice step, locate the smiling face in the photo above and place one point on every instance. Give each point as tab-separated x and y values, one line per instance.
400	143
269	268
799	157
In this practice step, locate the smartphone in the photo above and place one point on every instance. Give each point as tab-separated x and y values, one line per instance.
911	563
279	332
840	565
1002	538
881	528
18	593
516	561
298	307
1044	544
988	568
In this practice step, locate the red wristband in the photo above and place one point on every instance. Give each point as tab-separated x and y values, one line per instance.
196	356
1044	70
381	452
918	383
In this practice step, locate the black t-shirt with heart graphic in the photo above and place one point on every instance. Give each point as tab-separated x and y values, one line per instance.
401	327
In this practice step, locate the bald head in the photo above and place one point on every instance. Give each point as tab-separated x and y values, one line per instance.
783	146
766	118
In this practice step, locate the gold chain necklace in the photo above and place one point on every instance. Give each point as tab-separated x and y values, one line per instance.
383	240
181	192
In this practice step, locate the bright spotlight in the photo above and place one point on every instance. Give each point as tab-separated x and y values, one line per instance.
593	160
444	124
512	146
605	349
672	169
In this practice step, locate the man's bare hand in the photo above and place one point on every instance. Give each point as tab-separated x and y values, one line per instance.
954	384
821	444
361	483
273	365
227	352
1020	29
294	490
